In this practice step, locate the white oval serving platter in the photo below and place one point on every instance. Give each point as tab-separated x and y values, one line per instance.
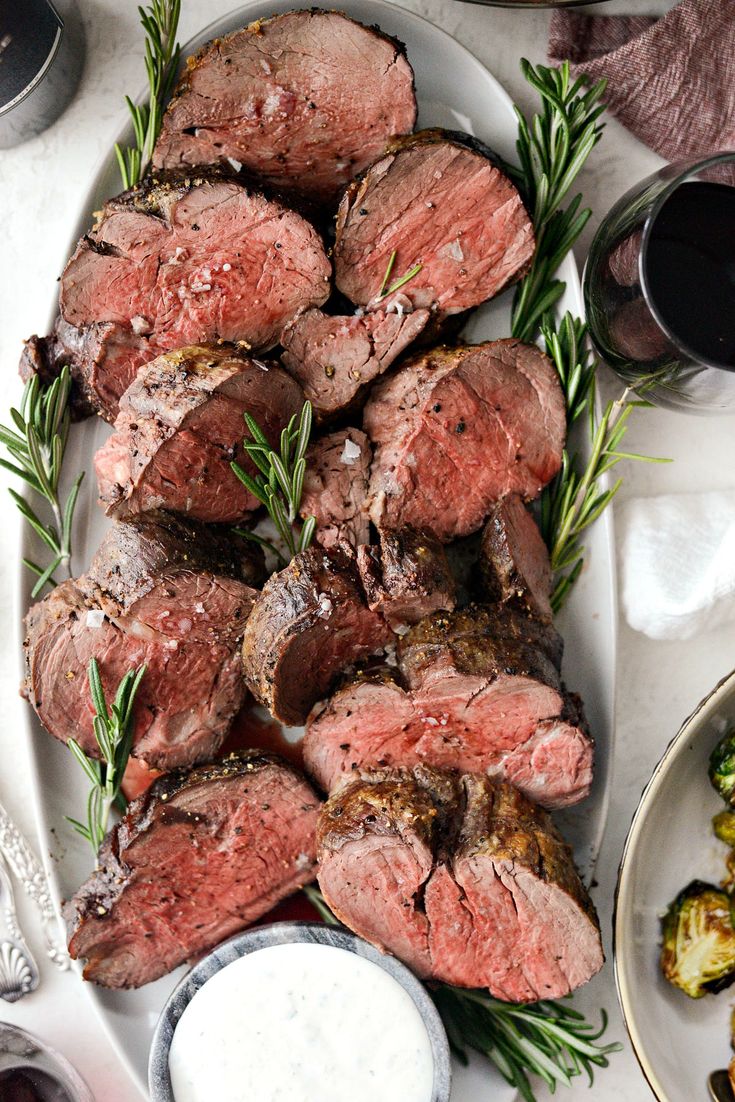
454	90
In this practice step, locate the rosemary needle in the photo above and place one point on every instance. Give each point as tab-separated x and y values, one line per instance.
401	281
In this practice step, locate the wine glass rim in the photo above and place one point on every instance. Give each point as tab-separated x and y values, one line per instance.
687	169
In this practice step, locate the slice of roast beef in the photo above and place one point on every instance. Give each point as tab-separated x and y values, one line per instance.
162	592
184	259
456	429
309	624
439	200
304	101
95	355
463	879
514	560
335	487
406	576
198	857
181	425
335	358
475	690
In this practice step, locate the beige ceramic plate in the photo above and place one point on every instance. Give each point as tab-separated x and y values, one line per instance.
677	1040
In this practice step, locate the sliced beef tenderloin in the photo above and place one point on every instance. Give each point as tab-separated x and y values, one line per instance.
436	199
180	260
181	425
162	593
462	878
304	101
198	857
308	625
335	487
514	560
95	355
476	690
456	429
406	575
335	358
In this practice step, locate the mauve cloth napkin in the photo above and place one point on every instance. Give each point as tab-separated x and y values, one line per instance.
677	562
671	80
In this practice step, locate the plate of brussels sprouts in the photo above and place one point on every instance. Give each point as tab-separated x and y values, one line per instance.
674	935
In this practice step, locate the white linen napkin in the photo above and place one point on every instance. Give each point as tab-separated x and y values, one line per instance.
678	563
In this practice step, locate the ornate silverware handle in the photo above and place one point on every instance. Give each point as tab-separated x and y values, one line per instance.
18	969
28	870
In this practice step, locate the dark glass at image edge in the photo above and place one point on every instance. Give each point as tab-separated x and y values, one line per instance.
42	51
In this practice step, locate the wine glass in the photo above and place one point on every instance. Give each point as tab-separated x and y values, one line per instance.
659	286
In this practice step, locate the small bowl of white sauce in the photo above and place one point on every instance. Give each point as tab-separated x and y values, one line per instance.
298	1011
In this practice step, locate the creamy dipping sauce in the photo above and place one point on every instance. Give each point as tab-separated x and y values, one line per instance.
301	1022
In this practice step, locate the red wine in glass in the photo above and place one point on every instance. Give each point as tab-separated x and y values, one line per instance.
660	286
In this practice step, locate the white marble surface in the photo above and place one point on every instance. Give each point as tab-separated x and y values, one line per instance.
658	683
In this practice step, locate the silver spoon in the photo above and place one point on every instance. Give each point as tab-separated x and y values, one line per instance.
18	970
719	1086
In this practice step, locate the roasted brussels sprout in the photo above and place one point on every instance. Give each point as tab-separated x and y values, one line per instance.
722	767
728	880
723	825
698	940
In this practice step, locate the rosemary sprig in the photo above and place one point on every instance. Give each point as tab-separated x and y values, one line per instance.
113	731
279	483
160	22
576	497
36	446
552	150
549	1039
401	281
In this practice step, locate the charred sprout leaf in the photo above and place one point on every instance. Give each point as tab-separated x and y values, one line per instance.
552	149
279	482
113	732
723	825
577	496
160	22
722	767
35	447
401	281
549	1039
698	940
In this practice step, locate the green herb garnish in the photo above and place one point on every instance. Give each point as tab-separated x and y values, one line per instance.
160	22
113	731
279	483
576	497
36	446
401	281
552	149
549	1039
